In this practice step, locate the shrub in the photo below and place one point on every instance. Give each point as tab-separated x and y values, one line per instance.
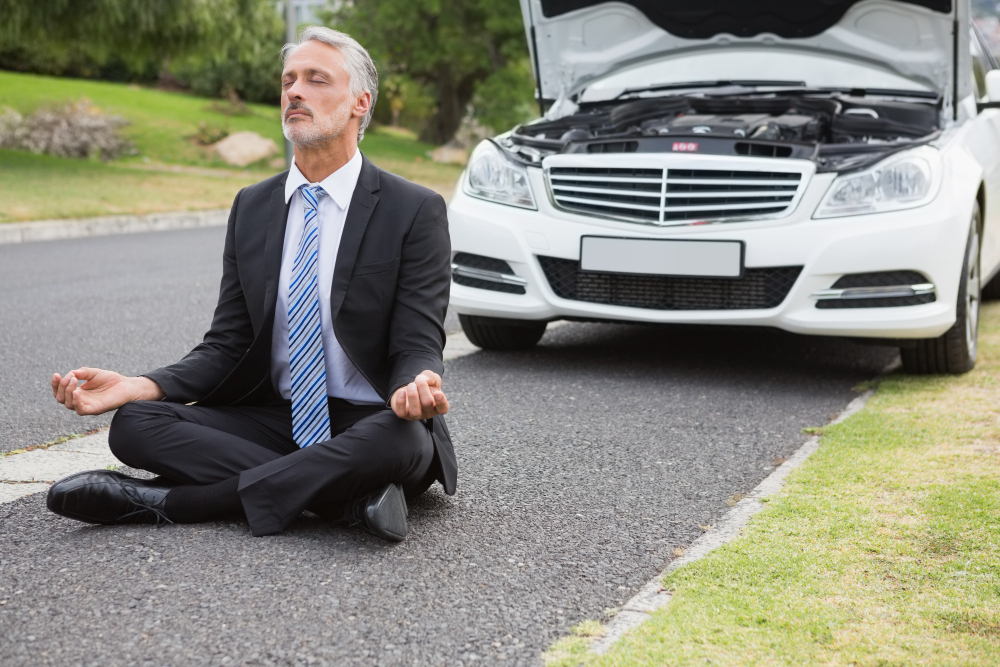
77	130
403	102
210	133
506	98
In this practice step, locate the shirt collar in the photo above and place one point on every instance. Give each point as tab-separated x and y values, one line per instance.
339	185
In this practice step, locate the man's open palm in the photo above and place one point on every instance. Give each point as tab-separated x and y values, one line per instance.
102	390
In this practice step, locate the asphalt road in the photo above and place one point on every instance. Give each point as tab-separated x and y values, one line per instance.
583	464
130	303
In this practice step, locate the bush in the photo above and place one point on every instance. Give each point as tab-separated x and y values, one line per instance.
252	76
78	130
506	98
403	100
210	133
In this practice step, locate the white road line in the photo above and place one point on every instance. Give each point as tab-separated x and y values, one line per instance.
32	472
652	596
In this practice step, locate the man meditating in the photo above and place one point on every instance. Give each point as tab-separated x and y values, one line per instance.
318	385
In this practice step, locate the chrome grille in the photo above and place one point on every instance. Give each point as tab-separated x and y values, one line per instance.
673	196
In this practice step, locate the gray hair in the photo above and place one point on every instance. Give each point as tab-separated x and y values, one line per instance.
357	62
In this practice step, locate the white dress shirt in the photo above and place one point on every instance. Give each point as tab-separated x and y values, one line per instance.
343	379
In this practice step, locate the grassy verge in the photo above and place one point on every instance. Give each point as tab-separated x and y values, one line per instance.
39	187
171	171
883	549
161	123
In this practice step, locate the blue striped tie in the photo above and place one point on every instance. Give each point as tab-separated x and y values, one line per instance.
307	365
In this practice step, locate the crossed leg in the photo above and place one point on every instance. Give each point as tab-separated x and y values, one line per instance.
196	445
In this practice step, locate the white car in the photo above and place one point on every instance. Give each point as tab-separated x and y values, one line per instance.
828	168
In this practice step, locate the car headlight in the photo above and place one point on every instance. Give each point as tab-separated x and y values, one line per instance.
907	180
492	176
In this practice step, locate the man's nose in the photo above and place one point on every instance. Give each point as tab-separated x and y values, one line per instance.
294	92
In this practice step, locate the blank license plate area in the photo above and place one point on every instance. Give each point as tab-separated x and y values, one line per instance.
706	259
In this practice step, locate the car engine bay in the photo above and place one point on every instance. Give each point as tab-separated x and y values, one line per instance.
839	132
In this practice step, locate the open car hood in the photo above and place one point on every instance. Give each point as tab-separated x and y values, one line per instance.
576	44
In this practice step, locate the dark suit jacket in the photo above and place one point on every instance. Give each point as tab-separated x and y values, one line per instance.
388	301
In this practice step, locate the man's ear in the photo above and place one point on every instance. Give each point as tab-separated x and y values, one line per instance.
362	104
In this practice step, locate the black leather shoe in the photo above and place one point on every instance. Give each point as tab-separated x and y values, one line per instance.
382	513
107	497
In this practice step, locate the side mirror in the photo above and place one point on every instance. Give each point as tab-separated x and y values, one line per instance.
993	85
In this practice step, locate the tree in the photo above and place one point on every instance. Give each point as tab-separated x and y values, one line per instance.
141	32
449	45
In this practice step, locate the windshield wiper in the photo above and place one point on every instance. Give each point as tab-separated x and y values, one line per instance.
741	83
792	86
880	92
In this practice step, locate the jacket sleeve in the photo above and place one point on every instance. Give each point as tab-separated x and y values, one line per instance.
416	331
231	333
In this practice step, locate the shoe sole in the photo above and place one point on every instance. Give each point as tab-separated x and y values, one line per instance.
386	517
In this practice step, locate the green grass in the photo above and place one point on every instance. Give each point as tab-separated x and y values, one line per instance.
883	549
39	187
169	164
161	123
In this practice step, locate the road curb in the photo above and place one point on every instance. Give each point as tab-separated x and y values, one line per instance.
51	230
652	596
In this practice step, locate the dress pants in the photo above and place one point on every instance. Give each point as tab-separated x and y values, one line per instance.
189	444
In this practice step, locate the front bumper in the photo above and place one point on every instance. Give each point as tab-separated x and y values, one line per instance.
929	240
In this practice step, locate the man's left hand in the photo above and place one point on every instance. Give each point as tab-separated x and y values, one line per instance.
421	399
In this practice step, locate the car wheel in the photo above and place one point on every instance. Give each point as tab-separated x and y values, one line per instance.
494	334
991	290
955	351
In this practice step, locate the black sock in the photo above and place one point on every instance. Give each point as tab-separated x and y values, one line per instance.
194	503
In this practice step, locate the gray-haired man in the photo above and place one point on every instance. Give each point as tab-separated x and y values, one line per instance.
318	385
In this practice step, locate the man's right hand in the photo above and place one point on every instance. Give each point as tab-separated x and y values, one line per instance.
102	390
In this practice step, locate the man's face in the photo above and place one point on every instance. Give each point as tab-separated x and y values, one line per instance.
317	107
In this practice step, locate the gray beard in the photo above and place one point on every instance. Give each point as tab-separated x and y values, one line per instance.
322	130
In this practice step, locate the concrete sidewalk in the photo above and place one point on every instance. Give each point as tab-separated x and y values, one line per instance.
50	230
33	471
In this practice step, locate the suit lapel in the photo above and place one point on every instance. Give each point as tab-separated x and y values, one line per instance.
358	212
277	220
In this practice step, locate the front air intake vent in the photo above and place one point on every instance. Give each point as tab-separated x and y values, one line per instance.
614	147
674	196
757	289
762	150
486	273
885	289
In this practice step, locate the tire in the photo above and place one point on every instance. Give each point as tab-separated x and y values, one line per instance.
495	334
955	351
991	290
